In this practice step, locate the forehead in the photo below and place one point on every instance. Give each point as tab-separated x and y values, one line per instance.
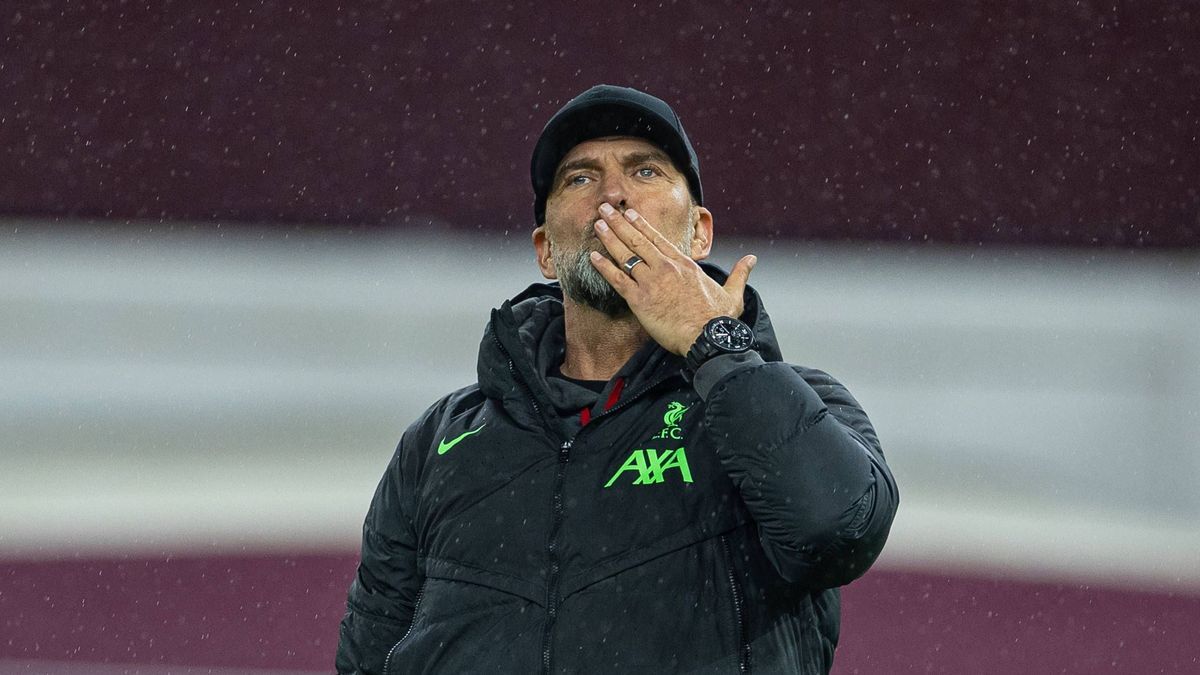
618	145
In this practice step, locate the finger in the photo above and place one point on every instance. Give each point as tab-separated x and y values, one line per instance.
660	242
616	248
735	285
621	282
628	234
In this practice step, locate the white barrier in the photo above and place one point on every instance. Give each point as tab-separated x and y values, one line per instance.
197	388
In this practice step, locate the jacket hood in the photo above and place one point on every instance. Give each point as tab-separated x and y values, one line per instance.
525	340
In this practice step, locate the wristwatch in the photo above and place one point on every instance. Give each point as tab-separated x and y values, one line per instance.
722	335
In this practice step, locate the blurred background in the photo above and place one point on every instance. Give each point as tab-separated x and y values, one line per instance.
243	245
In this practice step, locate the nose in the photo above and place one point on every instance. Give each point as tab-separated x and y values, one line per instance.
614	191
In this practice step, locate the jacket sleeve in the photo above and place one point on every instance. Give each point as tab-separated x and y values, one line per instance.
807	463
379	607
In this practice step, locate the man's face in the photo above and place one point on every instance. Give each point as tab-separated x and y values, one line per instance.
626	173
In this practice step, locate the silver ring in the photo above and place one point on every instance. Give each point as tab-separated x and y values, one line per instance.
632	263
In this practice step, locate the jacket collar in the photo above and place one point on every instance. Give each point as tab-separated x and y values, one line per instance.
524	340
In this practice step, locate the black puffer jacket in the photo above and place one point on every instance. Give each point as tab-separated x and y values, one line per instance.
669	534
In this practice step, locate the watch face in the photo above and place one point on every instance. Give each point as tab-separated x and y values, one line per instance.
730	334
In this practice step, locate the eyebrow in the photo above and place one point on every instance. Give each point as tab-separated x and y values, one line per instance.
573	165
629	160
648	156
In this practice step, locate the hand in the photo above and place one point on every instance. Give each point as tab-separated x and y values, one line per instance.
668	293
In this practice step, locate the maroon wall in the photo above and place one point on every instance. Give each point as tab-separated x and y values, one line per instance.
964	121
277	611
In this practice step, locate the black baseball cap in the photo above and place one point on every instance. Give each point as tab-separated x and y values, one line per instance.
607	110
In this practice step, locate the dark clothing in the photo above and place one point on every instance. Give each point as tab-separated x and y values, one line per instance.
670	533
592	385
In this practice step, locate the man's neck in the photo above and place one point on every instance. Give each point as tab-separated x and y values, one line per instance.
597	344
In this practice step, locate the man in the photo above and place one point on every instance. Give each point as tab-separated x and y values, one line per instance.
637	483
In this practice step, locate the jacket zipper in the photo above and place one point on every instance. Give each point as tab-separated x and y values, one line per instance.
739	618
627	399
412	622
556	520
564	454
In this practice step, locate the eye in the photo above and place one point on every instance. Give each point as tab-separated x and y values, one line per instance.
647	172
577	179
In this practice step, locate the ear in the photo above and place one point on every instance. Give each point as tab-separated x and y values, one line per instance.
702	234
541	246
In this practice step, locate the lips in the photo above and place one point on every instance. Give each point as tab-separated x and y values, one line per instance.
594	244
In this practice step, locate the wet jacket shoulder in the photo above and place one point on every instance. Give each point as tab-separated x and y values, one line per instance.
803	455
809	468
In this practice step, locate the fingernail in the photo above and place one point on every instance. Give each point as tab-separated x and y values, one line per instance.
594	255
601	225
753	261
607	209
631	215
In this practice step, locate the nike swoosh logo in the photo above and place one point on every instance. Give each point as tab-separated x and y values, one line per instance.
445	445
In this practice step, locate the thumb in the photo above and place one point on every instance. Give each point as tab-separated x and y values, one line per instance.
735	285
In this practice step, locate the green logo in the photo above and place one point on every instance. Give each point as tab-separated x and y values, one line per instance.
445	445
671	421
649	465
674	413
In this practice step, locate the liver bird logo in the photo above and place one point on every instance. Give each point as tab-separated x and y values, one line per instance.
674	413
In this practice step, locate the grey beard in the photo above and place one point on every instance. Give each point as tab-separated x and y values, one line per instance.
582	283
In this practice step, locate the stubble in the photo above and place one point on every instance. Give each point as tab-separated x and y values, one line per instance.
582	283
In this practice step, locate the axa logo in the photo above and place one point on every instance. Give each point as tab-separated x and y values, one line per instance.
671	421
649	466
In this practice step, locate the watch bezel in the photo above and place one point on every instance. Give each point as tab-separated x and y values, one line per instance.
706	346
734	328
